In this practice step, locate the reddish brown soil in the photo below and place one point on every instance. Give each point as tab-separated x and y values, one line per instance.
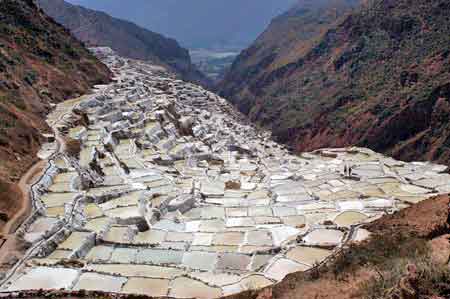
24	202
441	249
40	64
325	288
426	219
12	248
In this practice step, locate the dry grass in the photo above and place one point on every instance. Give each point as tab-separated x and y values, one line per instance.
376	268
430	280
379	252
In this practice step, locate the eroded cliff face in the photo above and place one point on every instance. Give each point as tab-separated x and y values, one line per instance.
40	64
96	28
375	76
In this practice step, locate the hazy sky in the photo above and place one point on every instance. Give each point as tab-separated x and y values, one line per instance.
197	23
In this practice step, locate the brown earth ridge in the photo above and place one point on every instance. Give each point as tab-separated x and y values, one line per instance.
41	63
327	74
417	236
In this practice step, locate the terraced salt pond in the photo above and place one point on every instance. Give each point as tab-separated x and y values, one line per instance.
174	195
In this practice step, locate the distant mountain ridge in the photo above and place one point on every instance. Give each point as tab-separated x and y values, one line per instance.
41	64
126	38
210	24
377	76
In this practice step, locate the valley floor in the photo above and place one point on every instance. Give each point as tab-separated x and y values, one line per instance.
163	189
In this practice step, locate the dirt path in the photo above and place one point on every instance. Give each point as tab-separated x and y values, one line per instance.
27	180
12	248
30	177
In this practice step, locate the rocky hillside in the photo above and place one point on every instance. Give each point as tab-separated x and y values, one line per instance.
40	64
384	266
126	38
197	24
378	76
284	42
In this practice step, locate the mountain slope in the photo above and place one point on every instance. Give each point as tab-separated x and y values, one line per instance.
40	64
378	77
126	38
288	38
207	24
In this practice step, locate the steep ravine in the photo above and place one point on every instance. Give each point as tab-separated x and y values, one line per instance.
97	28
376	76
